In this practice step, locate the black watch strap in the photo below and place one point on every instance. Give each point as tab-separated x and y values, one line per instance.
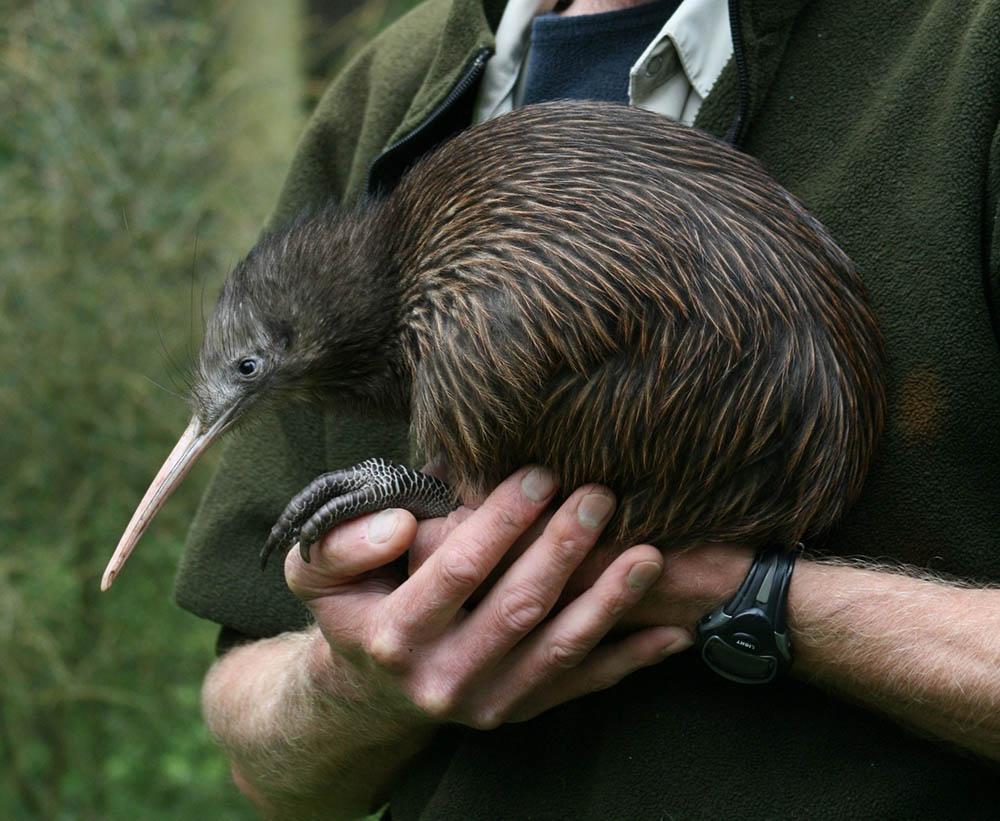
747	640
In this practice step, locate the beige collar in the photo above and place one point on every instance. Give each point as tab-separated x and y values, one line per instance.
673	75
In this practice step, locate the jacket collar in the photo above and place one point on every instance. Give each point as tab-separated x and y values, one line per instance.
468	37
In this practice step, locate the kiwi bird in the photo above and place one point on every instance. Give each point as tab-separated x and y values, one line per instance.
586	286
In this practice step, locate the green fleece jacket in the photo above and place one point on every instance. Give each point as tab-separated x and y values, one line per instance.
883	118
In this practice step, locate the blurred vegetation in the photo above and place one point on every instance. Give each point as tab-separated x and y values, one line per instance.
141	146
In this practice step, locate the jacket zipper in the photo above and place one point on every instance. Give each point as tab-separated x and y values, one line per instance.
470	76
737	130
472	73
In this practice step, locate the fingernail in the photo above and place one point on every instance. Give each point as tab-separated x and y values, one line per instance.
538	484
594	509
677	644
382	526
643	574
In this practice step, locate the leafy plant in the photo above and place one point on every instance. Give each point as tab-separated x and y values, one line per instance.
141	144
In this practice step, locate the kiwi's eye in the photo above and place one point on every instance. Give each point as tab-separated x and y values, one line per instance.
248	366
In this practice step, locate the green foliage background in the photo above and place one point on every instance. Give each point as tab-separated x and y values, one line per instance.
141	146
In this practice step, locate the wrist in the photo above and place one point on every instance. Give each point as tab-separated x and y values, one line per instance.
339	683
746	639
708	575
323	674
344	687
694	582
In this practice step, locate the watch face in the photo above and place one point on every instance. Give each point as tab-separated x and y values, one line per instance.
736	663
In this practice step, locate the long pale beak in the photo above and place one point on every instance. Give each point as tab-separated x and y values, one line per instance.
192	444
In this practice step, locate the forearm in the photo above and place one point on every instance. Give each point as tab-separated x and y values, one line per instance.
301	731
925	653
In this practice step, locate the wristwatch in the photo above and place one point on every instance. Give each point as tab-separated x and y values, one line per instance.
747	640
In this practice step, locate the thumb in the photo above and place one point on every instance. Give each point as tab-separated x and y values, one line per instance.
348	551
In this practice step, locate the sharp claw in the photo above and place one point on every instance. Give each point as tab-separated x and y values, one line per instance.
268	549
340	495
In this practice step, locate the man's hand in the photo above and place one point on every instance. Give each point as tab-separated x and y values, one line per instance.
434	659
322	720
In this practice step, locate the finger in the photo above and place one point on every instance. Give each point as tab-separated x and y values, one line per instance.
566	641
431	534
528	590
603	668
430	599
349	551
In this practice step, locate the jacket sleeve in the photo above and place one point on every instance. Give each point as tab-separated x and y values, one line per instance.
992	235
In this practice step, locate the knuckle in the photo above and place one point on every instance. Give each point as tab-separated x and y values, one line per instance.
568	551
461	566
613	604
296	582
565	654
520	608
305	582
507	517
434	701
386	650
487	718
